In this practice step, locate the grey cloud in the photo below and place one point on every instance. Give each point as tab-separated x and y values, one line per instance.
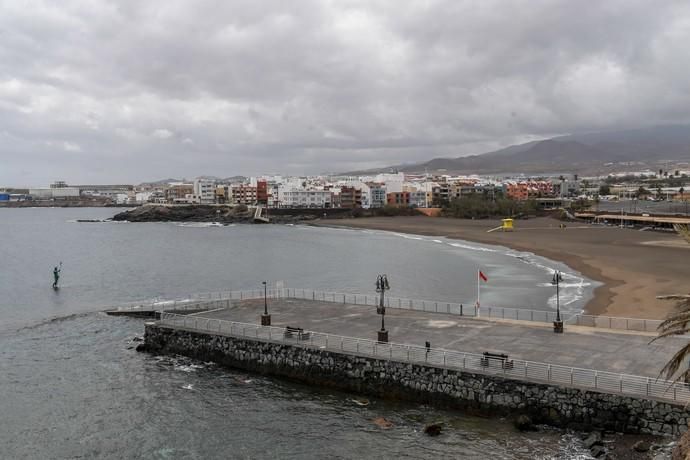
127	91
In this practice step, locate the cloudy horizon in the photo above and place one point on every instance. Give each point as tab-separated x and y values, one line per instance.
124	92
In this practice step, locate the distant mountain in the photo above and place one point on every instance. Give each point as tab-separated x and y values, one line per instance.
235	179
189	181
600	153
161	182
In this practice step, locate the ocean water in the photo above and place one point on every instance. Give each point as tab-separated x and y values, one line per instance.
72	385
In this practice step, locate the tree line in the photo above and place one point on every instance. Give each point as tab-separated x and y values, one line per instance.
479	206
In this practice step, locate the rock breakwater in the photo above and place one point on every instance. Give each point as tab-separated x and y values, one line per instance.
553	405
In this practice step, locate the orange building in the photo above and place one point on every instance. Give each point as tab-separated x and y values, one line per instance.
526	190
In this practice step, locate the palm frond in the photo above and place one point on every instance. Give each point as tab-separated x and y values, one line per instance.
682	230
674	321
675	362
677	323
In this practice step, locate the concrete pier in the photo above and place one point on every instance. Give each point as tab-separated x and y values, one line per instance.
337	348
600	349
154	309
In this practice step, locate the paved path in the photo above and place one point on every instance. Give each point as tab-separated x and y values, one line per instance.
582	347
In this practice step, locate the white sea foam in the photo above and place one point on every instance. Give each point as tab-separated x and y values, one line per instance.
410	237
471	248
571	291
187	367
199	224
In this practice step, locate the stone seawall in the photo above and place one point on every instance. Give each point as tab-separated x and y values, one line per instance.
553	405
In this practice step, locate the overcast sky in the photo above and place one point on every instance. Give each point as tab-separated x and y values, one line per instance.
122	92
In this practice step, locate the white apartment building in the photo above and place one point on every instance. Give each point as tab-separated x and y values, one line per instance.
394	182
299	198
377	196
418	199
204	191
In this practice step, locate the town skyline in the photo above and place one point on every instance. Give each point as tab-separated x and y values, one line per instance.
96	92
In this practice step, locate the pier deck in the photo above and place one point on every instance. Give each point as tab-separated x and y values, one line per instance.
605	350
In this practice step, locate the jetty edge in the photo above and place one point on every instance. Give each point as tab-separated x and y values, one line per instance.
391	378
549	394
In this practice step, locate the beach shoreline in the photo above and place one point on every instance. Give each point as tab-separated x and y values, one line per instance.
633	267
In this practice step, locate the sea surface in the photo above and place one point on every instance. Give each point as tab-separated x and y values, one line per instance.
72	385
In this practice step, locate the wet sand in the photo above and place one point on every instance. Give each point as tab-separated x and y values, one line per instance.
633	266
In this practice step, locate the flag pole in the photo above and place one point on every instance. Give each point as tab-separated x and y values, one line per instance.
478	291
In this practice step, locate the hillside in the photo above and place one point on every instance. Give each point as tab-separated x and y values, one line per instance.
600	153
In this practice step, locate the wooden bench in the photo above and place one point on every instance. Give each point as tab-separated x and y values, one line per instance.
503	358
291	331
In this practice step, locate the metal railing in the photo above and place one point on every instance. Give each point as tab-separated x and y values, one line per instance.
195	301
607	382
519	314
205	301
430	306
612	322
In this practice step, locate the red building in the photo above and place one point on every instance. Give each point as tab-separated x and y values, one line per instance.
398	199
262	192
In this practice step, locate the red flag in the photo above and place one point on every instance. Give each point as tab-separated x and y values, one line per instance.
483	276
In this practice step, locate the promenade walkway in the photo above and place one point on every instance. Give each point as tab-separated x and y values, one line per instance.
598	349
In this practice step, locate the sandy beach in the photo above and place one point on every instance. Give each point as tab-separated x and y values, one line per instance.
633	266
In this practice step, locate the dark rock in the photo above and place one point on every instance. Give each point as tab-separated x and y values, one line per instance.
142	347
524	423
433	429
380	377
594	439
206	213
682	449
383	423
641	446
598	451
137	339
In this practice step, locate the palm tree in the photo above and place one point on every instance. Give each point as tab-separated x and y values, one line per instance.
677	323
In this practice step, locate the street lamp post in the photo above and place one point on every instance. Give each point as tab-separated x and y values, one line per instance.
265	318
558	324
381	287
